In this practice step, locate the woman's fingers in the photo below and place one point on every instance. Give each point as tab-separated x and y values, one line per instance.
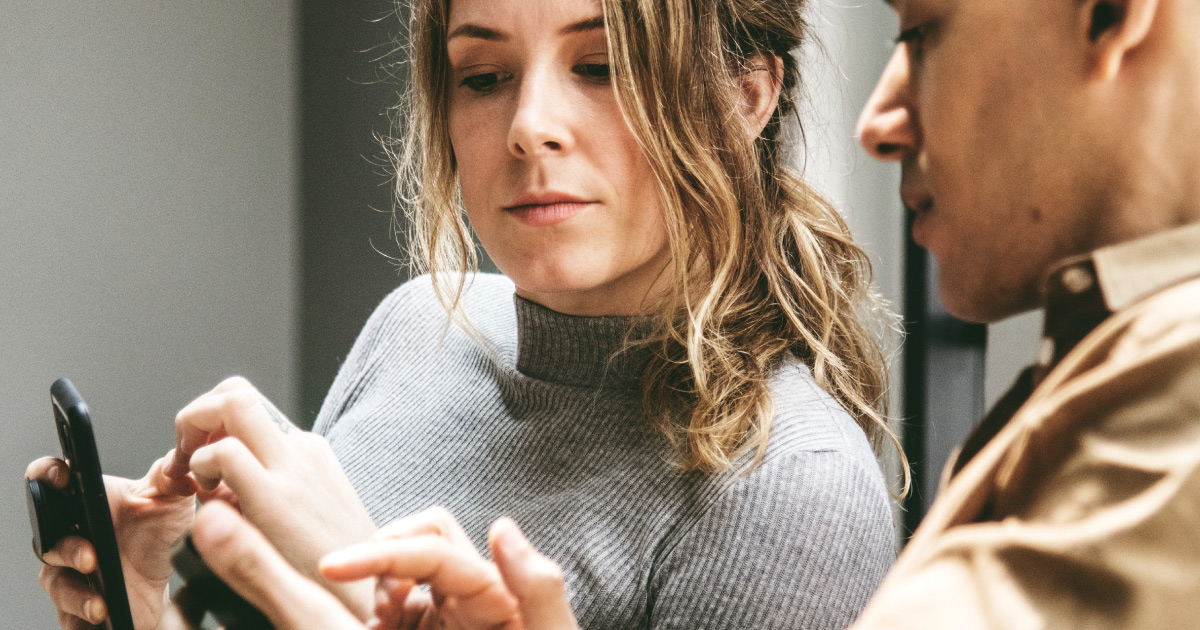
428	559
72	552
68	621
165	484
435	521
468	587
535	580
233	408
49	469
72	596
243	558
230	461
391	598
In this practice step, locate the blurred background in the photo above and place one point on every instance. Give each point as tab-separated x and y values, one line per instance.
192	190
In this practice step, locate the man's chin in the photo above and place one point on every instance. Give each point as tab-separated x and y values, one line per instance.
984	304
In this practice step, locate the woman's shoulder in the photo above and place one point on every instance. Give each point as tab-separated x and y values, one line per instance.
809	419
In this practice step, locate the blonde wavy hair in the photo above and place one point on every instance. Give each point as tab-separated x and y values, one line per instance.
762	266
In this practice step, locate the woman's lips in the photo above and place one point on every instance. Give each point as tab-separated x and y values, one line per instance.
543	214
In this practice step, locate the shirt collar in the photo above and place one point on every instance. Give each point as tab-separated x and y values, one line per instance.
1081	292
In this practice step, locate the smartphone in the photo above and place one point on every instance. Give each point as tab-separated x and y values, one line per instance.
80	509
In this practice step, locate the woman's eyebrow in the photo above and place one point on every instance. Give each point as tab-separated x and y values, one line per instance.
582	26
477	32
490	34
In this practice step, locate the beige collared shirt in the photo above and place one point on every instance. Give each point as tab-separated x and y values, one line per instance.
1083	509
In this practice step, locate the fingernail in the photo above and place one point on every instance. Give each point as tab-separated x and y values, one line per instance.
96	611
53	474
85	561
511	541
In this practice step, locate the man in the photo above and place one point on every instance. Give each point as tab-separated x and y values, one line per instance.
1051	153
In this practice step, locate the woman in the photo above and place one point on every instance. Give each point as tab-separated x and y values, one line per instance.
672	391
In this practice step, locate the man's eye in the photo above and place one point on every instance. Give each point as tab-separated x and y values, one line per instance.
598	72
914	40
484	82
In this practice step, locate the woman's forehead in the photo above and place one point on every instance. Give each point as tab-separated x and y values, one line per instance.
518	15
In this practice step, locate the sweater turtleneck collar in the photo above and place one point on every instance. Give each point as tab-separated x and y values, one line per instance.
578	351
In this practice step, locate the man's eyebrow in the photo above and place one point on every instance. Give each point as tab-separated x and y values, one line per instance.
490	34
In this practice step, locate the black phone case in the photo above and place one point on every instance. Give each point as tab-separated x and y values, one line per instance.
94	523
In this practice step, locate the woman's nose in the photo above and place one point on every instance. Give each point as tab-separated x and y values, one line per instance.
886	128
540	125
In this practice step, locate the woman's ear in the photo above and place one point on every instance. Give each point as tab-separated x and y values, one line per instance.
762	81
1114	29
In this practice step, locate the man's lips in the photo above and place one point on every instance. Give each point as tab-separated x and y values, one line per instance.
916	201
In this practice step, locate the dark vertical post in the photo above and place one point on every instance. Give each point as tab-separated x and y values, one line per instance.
915	384
944	380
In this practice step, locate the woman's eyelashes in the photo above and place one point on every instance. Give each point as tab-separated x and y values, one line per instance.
597	72
484	81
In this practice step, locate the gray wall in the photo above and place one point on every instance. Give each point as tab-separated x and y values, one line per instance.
147	227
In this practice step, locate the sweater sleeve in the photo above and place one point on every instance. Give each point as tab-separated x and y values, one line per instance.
802	542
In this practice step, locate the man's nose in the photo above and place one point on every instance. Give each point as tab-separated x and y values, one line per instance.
886	128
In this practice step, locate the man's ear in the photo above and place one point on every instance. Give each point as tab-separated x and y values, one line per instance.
761	84
1114	29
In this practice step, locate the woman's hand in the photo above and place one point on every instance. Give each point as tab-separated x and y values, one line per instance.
286	481
530	596
466	591
149	514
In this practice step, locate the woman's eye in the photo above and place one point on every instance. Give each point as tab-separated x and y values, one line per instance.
598	72
484	82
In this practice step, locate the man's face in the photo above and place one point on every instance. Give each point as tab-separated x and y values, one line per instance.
982	104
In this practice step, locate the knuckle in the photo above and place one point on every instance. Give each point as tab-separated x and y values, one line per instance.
46	579
439	515
236	382
245	564
237	401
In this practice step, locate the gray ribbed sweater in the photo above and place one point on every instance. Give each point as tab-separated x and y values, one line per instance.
548	432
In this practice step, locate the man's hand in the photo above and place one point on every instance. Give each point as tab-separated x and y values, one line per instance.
286	481
149	514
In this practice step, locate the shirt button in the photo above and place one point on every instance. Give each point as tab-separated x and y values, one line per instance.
1077	280
1046	352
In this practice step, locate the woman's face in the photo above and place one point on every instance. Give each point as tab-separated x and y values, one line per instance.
553	180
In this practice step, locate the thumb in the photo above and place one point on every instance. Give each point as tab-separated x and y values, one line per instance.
244	559
535	580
